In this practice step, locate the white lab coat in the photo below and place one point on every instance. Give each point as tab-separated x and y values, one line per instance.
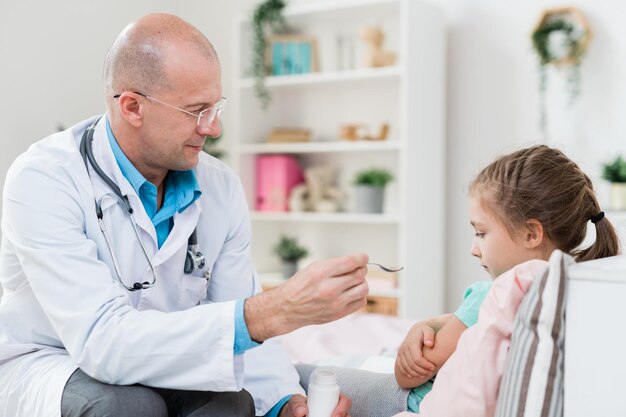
63	308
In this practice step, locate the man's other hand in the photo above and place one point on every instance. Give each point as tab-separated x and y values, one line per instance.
297	407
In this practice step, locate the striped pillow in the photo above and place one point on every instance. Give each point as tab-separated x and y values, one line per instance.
532	384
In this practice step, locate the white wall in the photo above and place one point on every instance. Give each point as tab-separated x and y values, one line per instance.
493	103
51	57
51	60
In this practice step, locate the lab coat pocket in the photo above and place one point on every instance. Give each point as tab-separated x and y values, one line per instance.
193	290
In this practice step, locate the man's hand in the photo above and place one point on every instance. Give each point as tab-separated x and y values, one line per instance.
410	361
297	407
323	291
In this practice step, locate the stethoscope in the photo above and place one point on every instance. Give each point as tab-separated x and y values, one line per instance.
194	259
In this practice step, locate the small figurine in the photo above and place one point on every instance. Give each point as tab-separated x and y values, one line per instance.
357	131
375	55
353	131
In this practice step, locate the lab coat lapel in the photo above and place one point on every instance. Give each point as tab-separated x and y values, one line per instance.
106	159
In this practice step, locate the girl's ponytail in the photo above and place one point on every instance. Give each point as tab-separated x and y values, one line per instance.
606	243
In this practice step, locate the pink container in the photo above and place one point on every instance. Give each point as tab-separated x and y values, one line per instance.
276	175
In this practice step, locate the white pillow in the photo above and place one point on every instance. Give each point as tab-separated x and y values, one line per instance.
532	385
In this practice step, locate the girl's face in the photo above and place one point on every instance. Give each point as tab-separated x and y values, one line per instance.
493	245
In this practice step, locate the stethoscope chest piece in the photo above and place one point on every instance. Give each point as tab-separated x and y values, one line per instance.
194	260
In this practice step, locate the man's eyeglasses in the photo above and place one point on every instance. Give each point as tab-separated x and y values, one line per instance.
205	117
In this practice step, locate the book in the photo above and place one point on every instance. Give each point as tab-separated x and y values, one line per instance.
276	175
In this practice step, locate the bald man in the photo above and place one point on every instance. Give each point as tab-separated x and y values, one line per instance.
129	288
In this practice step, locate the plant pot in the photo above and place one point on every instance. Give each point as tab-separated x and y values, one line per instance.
369	199
618	195
289	268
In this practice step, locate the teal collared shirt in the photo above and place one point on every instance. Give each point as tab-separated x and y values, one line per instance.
181	190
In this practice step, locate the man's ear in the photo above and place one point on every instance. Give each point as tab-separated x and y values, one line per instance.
533	234
131	108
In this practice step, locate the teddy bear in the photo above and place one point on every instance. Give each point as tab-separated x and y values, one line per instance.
375	55
318	192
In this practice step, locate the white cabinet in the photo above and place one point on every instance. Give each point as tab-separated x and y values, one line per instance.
409	96
594	339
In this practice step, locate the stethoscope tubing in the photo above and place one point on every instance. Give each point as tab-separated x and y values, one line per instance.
88	158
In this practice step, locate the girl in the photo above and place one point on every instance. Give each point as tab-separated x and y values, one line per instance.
522	207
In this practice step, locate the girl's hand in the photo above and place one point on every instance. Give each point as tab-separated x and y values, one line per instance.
410	360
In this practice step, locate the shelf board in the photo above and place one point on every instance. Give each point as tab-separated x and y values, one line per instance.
328	77
385	293
313	7
274	279
271	279
355	218
321	147
325	6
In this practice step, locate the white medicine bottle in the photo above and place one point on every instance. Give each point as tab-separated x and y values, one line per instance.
323	394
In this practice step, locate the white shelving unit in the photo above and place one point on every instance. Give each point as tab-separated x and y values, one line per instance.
409	96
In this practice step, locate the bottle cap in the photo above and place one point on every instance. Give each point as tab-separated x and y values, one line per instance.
325	377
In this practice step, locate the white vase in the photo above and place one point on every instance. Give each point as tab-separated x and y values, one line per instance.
289	269
618	195
369	199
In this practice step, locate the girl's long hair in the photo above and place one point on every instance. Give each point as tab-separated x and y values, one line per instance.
542	183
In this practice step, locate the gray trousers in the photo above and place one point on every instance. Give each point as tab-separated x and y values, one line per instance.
83	396
372	394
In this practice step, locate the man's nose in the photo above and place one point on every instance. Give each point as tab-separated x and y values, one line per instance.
214	129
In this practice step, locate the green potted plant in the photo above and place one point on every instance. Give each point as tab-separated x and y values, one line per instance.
267	17
370	189
615	173
289	250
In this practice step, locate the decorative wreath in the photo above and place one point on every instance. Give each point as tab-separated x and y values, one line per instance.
574	35
573	28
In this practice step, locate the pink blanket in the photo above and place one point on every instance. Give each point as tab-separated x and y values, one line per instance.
467	385
353	335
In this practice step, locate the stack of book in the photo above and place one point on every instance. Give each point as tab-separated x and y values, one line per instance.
288	135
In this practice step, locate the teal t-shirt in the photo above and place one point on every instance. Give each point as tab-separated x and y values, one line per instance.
468	314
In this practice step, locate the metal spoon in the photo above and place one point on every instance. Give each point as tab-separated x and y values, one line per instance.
386	269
